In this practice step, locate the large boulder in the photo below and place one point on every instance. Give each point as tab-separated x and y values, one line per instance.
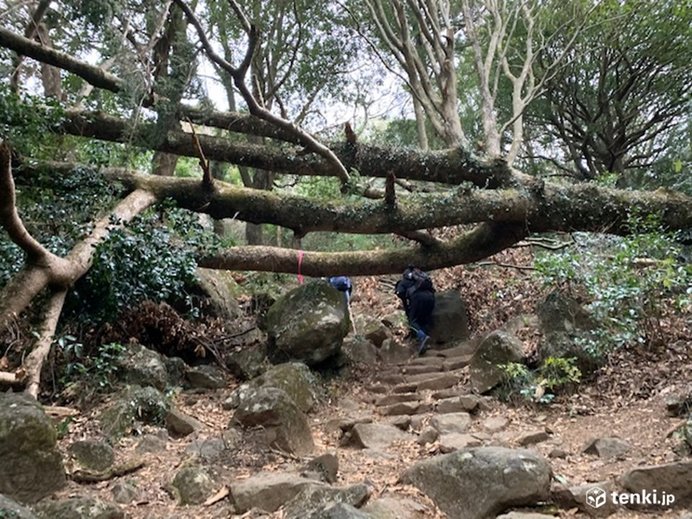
495	350
307	324
450	318
32	467
279	421
565	325
481	482
670	479
216	290
294	378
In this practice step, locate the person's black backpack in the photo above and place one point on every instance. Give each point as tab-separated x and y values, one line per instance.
422	280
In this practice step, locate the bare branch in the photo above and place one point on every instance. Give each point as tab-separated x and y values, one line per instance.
34	362
467	248
238	75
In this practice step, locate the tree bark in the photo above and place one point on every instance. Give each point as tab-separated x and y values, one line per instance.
582	207
452	166
484	241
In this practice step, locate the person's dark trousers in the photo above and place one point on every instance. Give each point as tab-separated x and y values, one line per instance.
422	304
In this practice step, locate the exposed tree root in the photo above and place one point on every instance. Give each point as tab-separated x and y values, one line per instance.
88	476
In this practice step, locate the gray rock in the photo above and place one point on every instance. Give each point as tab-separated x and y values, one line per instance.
312	500
294	378
374	331
151	443
496	349
124	492
143	367
307	324
249	361
144	404
10	509
558	453
78	507
267	490
282	423
375	435
401	422
479	482
216	287
193	485
451	423
591	498
396	507
607	447
471	403
450	318
341	511
451	405
208	450
180	424
176	369
206	376
93	454
564	324
392	352
562	313
32	467
427	435
360	350
679	403
325	466
675	479
495	424
451	442
532	437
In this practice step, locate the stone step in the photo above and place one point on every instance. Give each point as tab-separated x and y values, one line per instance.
422	368
397	398
406	408
435	381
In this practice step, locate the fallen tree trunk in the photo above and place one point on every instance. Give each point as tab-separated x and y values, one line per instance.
581	207
485	240
452	166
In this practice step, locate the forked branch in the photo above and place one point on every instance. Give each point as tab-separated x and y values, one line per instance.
238	75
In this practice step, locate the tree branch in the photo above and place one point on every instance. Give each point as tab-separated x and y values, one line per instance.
238	74
34	362
485	240
452	166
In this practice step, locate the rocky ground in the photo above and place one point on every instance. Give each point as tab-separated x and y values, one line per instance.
373	421
559	431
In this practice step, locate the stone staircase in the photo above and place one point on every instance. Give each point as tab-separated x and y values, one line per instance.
428	397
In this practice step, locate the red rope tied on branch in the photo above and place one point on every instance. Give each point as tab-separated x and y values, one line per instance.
300	262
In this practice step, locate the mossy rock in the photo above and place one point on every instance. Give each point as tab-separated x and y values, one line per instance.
136	403
32	467
307	324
